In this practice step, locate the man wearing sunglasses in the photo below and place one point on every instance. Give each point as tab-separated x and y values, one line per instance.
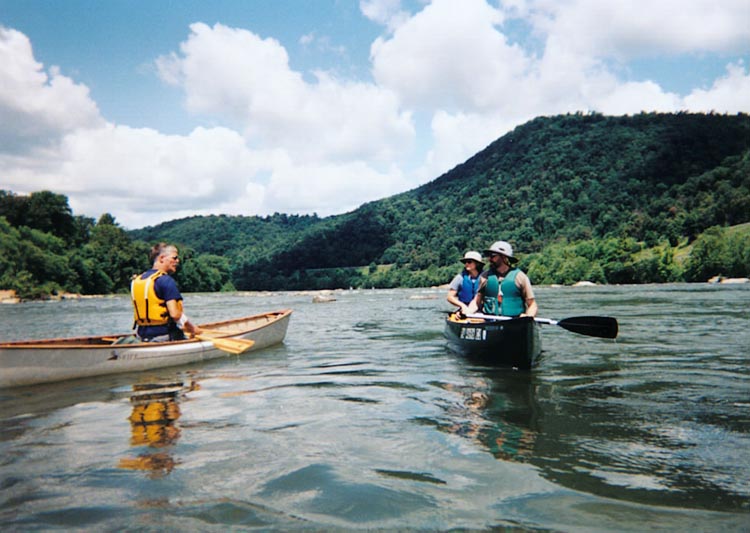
504	289
157	302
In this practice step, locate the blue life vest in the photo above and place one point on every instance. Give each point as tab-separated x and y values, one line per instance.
512	304
469	287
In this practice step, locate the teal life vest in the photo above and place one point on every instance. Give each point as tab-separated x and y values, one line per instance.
469	287
513	304
490	305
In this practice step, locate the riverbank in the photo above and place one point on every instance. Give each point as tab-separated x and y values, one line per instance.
10	296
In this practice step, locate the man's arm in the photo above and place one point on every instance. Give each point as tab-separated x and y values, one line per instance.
181	319
531	308
527	291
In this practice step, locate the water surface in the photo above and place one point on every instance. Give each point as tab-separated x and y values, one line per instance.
364	419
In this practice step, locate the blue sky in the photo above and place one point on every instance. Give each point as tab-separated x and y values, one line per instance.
153	111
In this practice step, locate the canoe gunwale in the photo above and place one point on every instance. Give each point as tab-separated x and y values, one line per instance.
108	341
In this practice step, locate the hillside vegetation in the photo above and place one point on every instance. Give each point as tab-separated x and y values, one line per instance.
647	198
608	199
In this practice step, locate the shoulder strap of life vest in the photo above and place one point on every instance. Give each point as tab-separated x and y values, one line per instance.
147	291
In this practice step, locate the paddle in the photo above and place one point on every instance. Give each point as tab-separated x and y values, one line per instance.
604	327
233	346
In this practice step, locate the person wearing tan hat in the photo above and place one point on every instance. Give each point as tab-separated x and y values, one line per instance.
463	288
504	289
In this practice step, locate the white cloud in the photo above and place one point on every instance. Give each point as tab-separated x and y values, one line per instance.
322	43
328	188
385	12
644	27
230	72
234	74
36	109
459	136
728	94
452	56
635	97
143	177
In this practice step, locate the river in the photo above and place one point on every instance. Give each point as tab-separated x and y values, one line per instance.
364	419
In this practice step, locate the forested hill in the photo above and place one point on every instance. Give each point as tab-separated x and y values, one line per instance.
593	193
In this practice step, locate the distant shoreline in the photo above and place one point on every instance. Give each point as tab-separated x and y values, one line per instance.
9	296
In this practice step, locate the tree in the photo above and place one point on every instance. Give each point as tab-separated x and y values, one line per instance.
203	273
50	213
706	258
112	256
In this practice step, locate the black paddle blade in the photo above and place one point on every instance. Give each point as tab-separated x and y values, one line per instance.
594	326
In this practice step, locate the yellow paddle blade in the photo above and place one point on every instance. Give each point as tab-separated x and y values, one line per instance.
233	346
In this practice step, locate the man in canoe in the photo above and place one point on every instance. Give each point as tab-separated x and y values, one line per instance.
157	301
504	289
463	288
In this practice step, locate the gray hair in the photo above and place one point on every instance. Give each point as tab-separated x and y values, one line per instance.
162	248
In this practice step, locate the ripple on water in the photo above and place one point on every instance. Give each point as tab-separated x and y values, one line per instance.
364	419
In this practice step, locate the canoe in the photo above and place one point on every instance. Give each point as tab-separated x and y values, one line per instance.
49	360
513	342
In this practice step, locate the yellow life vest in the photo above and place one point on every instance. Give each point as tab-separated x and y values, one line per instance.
150	310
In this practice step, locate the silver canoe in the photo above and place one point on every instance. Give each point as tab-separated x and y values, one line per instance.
49	360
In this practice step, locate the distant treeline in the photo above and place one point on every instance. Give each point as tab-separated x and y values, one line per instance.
648	198
46	250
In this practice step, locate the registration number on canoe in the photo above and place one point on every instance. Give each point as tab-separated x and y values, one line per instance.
473	334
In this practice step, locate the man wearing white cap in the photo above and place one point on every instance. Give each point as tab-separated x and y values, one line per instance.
504	289
463	288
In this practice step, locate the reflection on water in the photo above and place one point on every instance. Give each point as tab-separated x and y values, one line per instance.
153	425
496	411
509	441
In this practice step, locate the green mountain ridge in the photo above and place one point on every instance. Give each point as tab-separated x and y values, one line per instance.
647	198
554	181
